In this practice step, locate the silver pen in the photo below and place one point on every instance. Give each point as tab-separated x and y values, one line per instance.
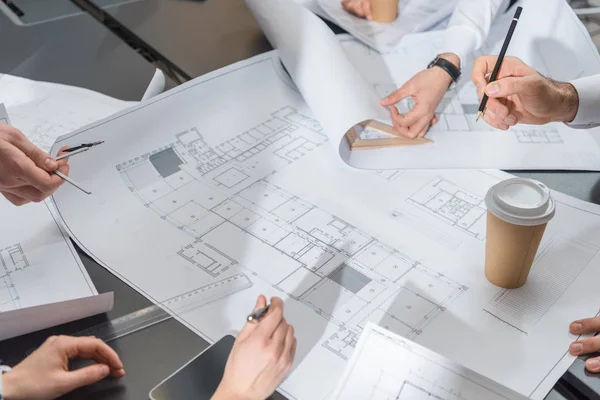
258	314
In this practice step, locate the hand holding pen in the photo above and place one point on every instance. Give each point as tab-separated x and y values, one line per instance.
262	355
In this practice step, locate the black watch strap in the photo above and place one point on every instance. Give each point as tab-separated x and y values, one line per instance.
447	66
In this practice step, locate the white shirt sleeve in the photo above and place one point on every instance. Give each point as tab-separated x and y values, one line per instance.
588	113
470	25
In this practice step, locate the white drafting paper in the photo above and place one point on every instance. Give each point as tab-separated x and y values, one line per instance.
201	212
43	111
387	366
31	319
414	16
331	84
39	267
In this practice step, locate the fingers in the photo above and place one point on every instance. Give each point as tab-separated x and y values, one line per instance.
505	87
593	364
396	96
511	66
270	322
16	200
583	326
278	339
366	9
261	302
83	377
91	348
39	178
28	193
354	7
585	346
40	158
289	349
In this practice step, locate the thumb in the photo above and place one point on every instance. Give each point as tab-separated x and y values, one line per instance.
506	86
85	376
39	157
261	302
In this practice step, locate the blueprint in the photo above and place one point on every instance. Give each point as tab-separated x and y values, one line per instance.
414	16
188	198
388	366
43	111
39	266
348	90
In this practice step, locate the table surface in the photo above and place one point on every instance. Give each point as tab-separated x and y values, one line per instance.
74	51
193	36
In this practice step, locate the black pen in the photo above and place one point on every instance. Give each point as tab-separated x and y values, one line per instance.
494	76
258	314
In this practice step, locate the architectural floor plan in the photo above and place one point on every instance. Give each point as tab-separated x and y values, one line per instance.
388	366
217	197
229	198
12	260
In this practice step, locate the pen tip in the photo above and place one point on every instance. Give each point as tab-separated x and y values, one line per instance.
479	114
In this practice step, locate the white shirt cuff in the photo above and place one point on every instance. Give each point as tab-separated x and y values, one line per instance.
460	40
588	90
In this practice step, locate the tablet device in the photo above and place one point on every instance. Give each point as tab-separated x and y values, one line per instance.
199	378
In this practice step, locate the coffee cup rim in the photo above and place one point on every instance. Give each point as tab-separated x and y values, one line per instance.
536	214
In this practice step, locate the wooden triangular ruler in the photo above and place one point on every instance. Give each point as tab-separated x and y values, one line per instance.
376	135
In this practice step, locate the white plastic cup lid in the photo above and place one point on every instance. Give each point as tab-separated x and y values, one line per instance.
521	201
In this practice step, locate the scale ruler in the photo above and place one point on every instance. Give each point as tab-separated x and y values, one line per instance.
155	314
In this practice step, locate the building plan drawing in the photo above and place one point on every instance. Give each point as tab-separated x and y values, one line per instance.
388	366
188	198
44	111
36	254
347	93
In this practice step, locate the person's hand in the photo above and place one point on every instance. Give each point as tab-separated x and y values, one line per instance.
25	169
45	373
360	8
522	95
427	88
261	357
588	345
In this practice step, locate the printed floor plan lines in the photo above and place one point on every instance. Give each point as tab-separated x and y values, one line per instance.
554	270
386	366
221	197
12	260
455	206
9	298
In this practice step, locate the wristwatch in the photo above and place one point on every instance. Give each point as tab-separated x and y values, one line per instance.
447	66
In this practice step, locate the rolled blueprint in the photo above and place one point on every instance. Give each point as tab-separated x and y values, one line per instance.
335	91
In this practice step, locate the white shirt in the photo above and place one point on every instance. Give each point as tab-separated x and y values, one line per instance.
588	113
470	25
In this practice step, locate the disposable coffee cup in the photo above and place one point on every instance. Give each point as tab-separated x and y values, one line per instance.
518	211
384	10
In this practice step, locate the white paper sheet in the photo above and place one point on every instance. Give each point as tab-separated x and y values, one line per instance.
31	319
387	366
43	111
414	16
39	267
204	185
547	36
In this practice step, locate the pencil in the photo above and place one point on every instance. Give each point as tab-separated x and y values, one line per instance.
75	152
258	314
494	76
